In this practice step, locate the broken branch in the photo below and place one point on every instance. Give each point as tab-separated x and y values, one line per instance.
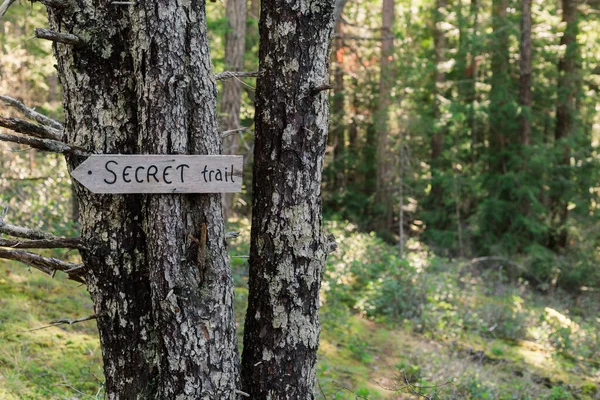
331	245
47	265
60	37
346	22
235	74
4	7
27	128
317	89
24	233
57	243
338	36
65	321
44	144
60	4
31	113
231	235
231	132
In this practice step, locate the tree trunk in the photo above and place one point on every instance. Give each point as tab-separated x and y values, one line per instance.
339	129
499	93
231	96
288	249
568	87
437	139
386	81
503	198
156	265
525	75
471	75
567	70
353	173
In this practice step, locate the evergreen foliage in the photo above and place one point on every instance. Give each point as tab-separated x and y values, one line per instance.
485	192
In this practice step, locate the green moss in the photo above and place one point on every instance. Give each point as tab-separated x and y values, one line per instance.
358	355
55	362
589	389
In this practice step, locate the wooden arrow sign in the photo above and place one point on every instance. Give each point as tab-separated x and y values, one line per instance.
160	174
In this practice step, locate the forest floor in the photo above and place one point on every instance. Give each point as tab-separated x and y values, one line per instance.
418	327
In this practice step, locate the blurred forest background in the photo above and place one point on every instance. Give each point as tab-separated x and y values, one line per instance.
462	183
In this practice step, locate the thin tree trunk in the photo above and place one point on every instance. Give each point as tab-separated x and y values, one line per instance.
499	91
386	80
525	75
353	175
288	249
461	247
231	96
437	139
339	129
401	195
156	265
525	50
568	87
472	72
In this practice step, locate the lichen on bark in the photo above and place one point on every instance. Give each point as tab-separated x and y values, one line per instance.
143	84
288	248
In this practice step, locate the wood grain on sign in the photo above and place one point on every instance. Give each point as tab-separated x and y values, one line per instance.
160	174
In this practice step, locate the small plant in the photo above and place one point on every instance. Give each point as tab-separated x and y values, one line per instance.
409	372
473	388
560	393
561	339
395	295
497	350
502	318
359	349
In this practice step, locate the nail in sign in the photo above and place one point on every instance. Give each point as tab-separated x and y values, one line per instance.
160	174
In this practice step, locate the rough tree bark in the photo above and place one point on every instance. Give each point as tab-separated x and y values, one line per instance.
566	109
288	249
386	80
231	97
156	266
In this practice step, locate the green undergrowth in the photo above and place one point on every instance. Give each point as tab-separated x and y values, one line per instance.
424	326
418	326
